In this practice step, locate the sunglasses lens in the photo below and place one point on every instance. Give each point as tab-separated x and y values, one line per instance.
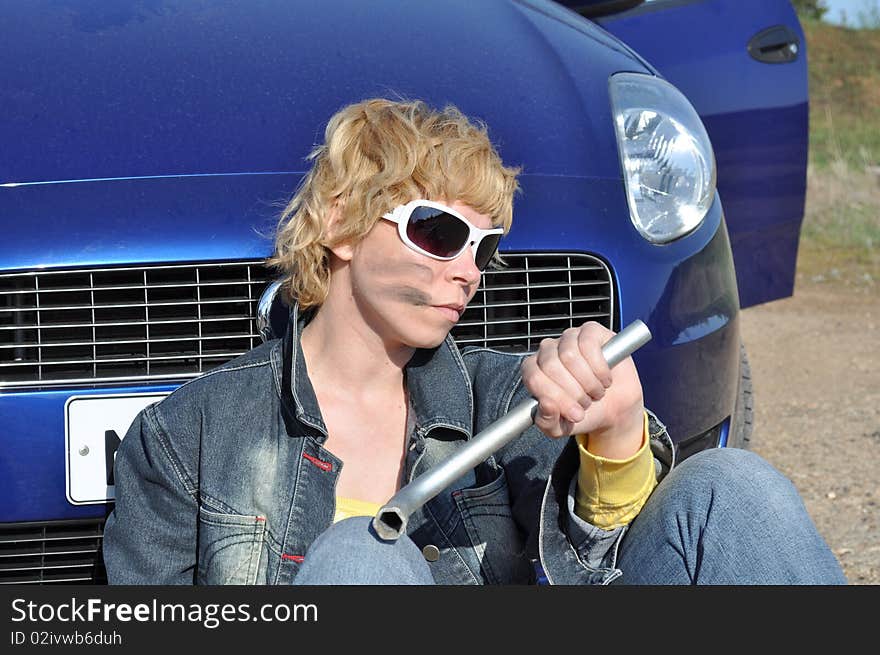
486	250
437	232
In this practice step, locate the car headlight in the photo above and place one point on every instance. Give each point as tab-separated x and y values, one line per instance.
667	159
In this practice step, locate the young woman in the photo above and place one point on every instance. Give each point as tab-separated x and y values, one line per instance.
268	469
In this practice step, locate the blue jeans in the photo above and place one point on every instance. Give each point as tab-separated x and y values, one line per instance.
350	552
723	516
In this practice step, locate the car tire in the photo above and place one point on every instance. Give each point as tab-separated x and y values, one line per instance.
740	434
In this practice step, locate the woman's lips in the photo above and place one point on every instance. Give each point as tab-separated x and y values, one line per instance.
451	312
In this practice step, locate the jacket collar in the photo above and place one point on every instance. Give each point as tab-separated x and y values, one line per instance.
438	383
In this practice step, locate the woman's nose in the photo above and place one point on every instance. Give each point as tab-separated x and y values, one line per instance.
465	268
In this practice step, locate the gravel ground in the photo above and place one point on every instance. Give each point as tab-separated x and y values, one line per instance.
816	378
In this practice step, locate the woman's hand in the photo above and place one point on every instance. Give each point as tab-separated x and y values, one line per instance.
578	393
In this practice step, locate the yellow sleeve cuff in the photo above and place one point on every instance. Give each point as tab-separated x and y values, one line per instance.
611	492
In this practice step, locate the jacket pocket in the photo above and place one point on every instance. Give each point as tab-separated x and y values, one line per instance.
494	535
231	548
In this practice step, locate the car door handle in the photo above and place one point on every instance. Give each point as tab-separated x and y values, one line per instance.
775	45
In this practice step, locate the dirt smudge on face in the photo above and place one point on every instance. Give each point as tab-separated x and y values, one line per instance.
410	295
395	280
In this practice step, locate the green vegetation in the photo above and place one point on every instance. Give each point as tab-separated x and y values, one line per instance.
840	237
810	8
867	16
844	79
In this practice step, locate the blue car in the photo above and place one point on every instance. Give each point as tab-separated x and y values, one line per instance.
149	145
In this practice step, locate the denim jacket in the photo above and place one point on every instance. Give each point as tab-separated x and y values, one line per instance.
227	480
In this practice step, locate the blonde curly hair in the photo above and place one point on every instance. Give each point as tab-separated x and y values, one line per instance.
378	154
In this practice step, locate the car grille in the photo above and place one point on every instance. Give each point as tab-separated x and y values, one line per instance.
174	322
126	324
54	552
536	296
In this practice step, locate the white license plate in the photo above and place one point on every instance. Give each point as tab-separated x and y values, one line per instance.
93	428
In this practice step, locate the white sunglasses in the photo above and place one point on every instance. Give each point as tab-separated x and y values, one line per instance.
440	232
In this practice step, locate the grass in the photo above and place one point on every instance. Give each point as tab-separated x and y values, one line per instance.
840	237
844	83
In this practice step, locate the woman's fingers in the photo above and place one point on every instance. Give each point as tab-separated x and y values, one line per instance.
567	375
572	382
591	337
553	401
575	362
580	350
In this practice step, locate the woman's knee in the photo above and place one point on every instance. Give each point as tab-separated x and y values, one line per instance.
356	535
351	530
740	476
750	522
350	552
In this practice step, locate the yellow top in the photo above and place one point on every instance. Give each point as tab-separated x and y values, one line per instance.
610	492
347	507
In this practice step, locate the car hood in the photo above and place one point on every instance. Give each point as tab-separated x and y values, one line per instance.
141	220
144	88
185	218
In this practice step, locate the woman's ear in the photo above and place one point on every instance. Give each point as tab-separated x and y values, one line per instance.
344	250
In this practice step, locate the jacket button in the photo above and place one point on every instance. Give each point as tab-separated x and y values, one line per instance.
431	553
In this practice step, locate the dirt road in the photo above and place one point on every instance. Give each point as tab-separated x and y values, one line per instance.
816	377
